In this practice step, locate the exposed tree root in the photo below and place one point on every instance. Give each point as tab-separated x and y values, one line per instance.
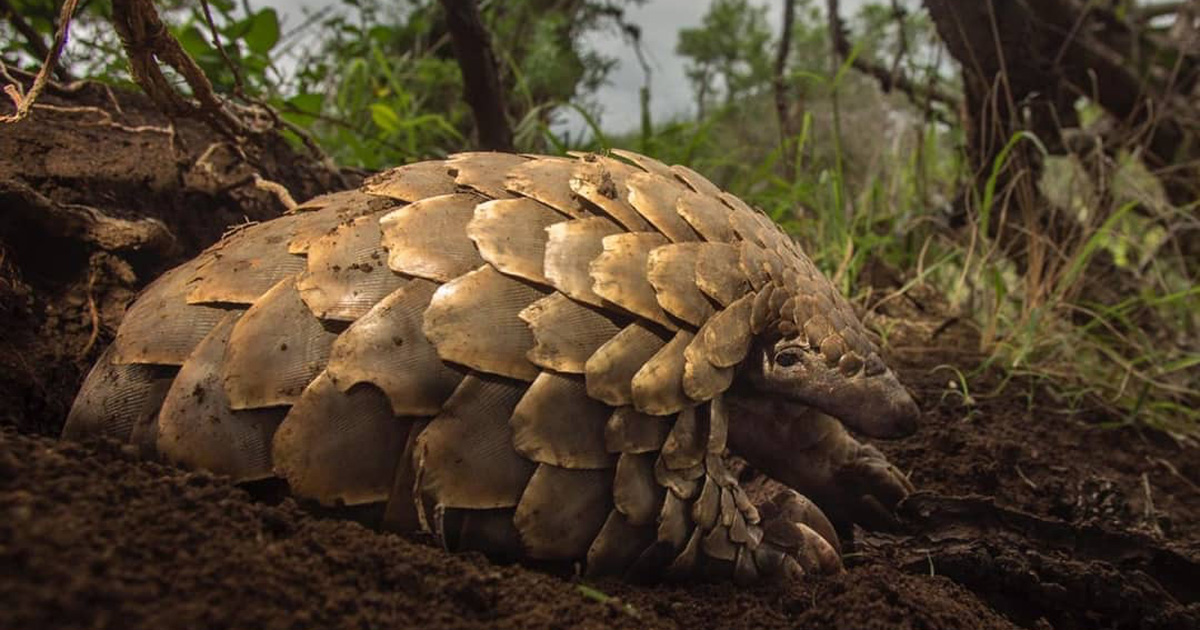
1039	570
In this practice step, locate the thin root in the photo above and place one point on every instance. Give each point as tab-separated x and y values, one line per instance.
23	102
95	315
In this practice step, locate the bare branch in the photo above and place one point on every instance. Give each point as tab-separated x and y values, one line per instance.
147	42
33	37
23	102
889	79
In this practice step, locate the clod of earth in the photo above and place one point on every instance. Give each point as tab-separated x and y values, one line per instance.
551	366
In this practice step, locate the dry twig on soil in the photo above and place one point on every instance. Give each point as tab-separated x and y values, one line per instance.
23	101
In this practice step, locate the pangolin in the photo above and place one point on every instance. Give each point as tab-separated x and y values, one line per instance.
542	358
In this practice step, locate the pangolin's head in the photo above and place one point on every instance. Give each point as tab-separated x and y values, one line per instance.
859	390
812	349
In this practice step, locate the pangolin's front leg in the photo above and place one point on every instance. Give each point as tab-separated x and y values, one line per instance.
813	453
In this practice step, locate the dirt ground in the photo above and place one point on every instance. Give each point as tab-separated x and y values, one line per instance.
1027	516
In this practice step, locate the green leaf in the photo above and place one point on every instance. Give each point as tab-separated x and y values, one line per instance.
194	43
264	31
307	103
385	118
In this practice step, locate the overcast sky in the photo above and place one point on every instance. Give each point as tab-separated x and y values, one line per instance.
660	21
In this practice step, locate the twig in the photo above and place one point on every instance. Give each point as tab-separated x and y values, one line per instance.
94	313
888	79
32	37
1029	482
1148	509
275	188
239	90
1175	472
216	40
24	101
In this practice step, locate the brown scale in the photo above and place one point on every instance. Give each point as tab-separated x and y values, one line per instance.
570	248
601	181
557	423
428	238
387	349
566	333
547	180
412	182
655	198
239	269
339	447
347	271
484	172
511	235
275	350
162	307
231	442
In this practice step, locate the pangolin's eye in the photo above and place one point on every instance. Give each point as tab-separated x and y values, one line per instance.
787	358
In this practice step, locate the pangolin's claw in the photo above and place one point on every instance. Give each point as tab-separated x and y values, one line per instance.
875	487
797	539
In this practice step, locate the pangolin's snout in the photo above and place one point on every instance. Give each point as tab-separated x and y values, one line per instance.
877	406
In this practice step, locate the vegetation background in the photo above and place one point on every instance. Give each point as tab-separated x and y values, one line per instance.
1026	169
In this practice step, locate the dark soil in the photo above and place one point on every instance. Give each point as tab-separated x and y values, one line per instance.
1028	516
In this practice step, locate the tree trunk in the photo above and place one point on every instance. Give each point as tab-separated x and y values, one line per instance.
787	128
1024	65
481	81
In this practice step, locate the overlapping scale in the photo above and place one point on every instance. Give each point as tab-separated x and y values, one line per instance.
566	333
657	386
483	171
347	271
562	511
252	259
511	235
339	447
119	401
387	348
557	423
671	270
160	327
473	321
547	180
412	182
610	370
465	457
655	197
571	246
601	181
227	441
428	238
275	350
619	275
